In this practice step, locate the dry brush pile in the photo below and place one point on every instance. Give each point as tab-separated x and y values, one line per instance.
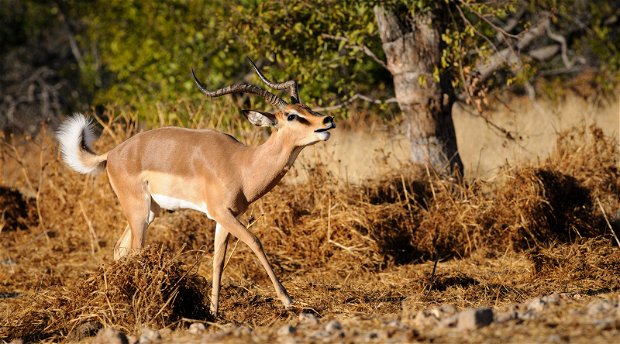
56	251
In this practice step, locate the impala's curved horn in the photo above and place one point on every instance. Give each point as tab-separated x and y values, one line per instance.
241	88
291	85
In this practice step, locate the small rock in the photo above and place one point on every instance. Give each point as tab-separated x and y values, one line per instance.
435	312
536	305
320	334
449	322
287	330
308	319
447	309
371	336
600	307
85	330
241	331
395	323
444	315
505	316
552	299
604	324
474	318
333	326
441	311
149	336
197	328
527	315
110	336
17	341
421	319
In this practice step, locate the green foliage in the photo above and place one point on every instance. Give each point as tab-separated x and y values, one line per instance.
602	41
318	43
146	49
141	52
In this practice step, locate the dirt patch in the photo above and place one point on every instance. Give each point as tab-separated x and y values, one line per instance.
17	211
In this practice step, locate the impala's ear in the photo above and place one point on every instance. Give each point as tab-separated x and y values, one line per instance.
261	119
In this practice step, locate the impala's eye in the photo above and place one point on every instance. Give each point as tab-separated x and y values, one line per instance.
291	117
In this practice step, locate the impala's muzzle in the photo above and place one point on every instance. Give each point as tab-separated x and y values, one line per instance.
323	133
329	121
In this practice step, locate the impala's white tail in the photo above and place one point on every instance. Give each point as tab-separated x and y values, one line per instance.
76	136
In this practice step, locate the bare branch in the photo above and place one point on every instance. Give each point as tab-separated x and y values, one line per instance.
510	135
544	53
534	33
513	21
363	48
508	55
354	98
560	39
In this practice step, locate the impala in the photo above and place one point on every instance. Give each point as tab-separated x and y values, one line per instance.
201	169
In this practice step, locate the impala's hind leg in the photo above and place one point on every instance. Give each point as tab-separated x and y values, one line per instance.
123	245
219	252
139	209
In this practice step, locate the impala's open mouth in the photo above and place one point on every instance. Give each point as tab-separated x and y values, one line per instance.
332	126
323	133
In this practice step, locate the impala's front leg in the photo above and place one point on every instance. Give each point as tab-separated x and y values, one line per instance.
219	252
234	227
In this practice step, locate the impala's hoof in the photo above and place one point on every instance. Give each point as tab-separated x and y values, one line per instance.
288	303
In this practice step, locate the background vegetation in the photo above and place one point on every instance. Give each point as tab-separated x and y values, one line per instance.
58	56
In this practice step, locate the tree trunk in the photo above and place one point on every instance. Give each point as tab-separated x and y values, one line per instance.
413	51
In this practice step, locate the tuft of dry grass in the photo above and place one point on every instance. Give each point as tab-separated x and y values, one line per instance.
152	289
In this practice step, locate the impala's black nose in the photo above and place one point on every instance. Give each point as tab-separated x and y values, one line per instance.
328	120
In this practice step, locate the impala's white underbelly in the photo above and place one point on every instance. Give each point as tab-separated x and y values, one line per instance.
171	203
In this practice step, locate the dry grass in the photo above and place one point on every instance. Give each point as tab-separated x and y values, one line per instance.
152	290
340	249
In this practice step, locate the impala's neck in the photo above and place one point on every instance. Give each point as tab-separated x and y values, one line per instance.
267	164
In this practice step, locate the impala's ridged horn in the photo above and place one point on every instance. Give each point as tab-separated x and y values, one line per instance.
241	88
291	85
